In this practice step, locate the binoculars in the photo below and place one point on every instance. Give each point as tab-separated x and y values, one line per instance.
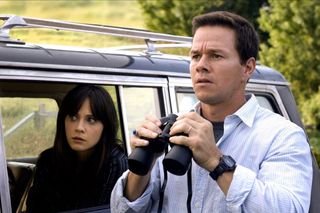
176	161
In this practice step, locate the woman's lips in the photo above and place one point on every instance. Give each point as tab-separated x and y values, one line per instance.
78	139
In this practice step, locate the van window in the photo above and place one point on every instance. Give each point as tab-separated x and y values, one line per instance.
185	101
264	102
140	102
28	125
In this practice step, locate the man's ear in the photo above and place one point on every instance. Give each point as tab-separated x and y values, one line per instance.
249	67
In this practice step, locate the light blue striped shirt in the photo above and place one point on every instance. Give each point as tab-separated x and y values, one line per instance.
273	174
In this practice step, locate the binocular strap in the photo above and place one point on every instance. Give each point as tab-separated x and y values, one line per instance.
163	187
189	189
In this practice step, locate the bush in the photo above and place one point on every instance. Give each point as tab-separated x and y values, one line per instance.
311	118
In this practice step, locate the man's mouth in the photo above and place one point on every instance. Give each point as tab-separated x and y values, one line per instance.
203	80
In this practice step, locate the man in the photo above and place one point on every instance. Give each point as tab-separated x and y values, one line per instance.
245	158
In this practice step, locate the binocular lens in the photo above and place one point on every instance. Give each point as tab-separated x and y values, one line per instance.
177	161
140	160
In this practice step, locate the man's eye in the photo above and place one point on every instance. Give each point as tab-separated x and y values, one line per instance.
216	56
195	57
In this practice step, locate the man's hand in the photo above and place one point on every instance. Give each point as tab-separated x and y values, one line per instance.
137	184
150	128
200	139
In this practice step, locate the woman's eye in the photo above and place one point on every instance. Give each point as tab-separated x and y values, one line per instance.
92	120
73	117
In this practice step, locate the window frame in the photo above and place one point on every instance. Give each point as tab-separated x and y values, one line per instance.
66	77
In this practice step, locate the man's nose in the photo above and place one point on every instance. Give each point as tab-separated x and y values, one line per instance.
202	65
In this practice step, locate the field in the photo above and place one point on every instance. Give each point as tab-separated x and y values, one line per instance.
114	13
33	135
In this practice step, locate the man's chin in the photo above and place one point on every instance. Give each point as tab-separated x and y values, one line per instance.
207	99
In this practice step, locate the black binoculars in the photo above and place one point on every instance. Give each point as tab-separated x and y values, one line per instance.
177	160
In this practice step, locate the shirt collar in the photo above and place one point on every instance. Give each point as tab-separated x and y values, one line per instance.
246	113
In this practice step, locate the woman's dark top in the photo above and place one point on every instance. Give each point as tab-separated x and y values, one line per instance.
54	191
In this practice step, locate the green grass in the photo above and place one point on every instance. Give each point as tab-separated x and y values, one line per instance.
34	135
114	13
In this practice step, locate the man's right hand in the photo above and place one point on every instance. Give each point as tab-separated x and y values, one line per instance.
150	128
136	184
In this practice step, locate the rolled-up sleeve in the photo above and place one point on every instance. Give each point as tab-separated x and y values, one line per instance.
144	204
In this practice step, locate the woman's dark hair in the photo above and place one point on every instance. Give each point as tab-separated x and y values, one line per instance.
103	109
247	41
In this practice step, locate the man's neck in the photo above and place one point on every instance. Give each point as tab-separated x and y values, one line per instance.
218	112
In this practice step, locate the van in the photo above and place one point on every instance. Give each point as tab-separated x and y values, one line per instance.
34	78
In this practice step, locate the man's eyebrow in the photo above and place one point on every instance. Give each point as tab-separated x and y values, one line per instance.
194	51
213	51
210	51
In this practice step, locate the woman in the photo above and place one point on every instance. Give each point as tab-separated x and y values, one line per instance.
86	159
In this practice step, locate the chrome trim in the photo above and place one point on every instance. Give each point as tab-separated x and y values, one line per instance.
166	100
269	89
124	120
181	82
88	69
269	82
173	97
104	78
4	180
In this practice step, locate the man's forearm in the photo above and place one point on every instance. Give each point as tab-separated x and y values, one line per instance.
136	185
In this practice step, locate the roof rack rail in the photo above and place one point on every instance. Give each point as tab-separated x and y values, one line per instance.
157	46
12	21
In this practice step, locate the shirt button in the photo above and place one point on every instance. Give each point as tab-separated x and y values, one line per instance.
197	205
202	171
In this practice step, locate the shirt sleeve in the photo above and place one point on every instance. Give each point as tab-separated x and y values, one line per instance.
148	200
282	183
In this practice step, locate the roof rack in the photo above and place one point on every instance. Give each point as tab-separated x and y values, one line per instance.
13	21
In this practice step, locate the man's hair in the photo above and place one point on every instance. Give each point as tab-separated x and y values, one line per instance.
246	41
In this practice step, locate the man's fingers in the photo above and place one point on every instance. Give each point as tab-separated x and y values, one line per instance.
180	140
181	127
135	142
153	119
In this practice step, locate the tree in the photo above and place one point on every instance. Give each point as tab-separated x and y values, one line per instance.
293	46
175	16
294	49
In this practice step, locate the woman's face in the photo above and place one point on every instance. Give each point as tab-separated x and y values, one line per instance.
83	130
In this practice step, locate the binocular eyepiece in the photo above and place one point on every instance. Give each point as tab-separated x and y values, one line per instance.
177	160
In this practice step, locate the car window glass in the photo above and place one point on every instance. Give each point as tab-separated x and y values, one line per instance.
140	102
186	101
28	125
264	102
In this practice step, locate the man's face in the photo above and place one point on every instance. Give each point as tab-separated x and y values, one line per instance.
216	72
